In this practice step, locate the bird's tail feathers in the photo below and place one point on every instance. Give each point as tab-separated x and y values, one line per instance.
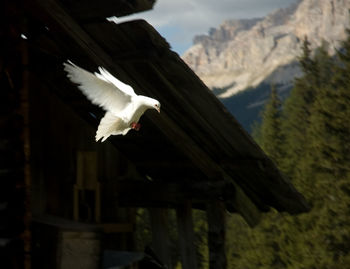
111	125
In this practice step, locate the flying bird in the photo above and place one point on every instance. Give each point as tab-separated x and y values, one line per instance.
122	105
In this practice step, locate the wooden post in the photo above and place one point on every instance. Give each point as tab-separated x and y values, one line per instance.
160	234
186	236
87	180
216	214
24	111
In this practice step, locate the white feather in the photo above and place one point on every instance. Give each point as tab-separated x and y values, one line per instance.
111	125
123	106
100	92
105	75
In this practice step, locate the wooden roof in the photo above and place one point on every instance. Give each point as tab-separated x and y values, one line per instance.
92	10
195	148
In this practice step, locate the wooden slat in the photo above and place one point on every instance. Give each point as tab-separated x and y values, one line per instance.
147	194
99	10
60	21
143	45
142	193
117	227
164	164
87	170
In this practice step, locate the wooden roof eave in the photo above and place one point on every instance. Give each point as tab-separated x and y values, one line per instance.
59	19
218	123
92	10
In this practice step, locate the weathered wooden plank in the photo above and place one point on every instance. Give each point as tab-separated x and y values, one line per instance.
99	10
117	227
143	194
216	216
87	169
140	193
61	22
171	195
143	45
165	164
160	234
186	235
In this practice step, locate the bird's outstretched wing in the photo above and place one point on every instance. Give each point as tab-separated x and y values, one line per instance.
105	75
101	90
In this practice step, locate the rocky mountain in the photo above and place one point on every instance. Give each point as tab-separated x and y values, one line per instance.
247	53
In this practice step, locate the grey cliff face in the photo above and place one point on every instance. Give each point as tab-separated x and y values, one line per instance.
243	53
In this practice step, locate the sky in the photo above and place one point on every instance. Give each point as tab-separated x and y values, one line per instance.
180	20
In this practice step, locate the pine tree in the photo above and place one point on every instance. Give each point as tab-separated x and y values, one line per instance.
316	154
296	113
327	161
315	136
271	136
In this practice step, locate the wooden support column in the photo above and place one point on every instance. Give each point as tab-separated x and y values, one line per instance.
186	236
87	181
160	234
24	111
216	214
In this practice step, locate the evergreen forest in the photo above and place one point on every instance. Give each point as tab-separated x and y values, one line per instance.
308	137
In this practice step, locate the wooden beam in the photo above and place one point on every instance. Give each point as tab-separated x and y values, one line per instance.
161	164
99	10
160	234
138	193
186	236
242	164
117	227
56	17
216	216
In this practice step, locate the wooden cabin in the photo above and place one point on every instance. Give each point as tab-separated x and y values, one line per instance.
67	201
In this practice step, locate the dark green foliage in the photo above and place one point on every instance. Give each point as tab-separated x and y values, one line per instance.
312	146
246	105
270	132
309	139
297	112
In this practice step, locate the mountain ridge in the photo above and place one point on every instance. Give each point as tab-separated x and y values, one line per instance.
241	54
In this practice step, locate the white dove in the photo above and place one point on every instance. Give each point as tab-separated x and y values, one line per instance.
123	107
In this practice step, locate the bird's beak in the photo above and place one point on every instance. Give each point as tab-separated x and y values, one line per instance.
158	109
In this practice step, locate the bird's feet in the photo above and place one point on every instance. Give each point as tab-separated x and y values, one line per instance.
136	126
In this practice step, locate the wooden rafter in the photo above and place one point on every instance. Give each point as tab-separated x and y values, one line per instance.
99	10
